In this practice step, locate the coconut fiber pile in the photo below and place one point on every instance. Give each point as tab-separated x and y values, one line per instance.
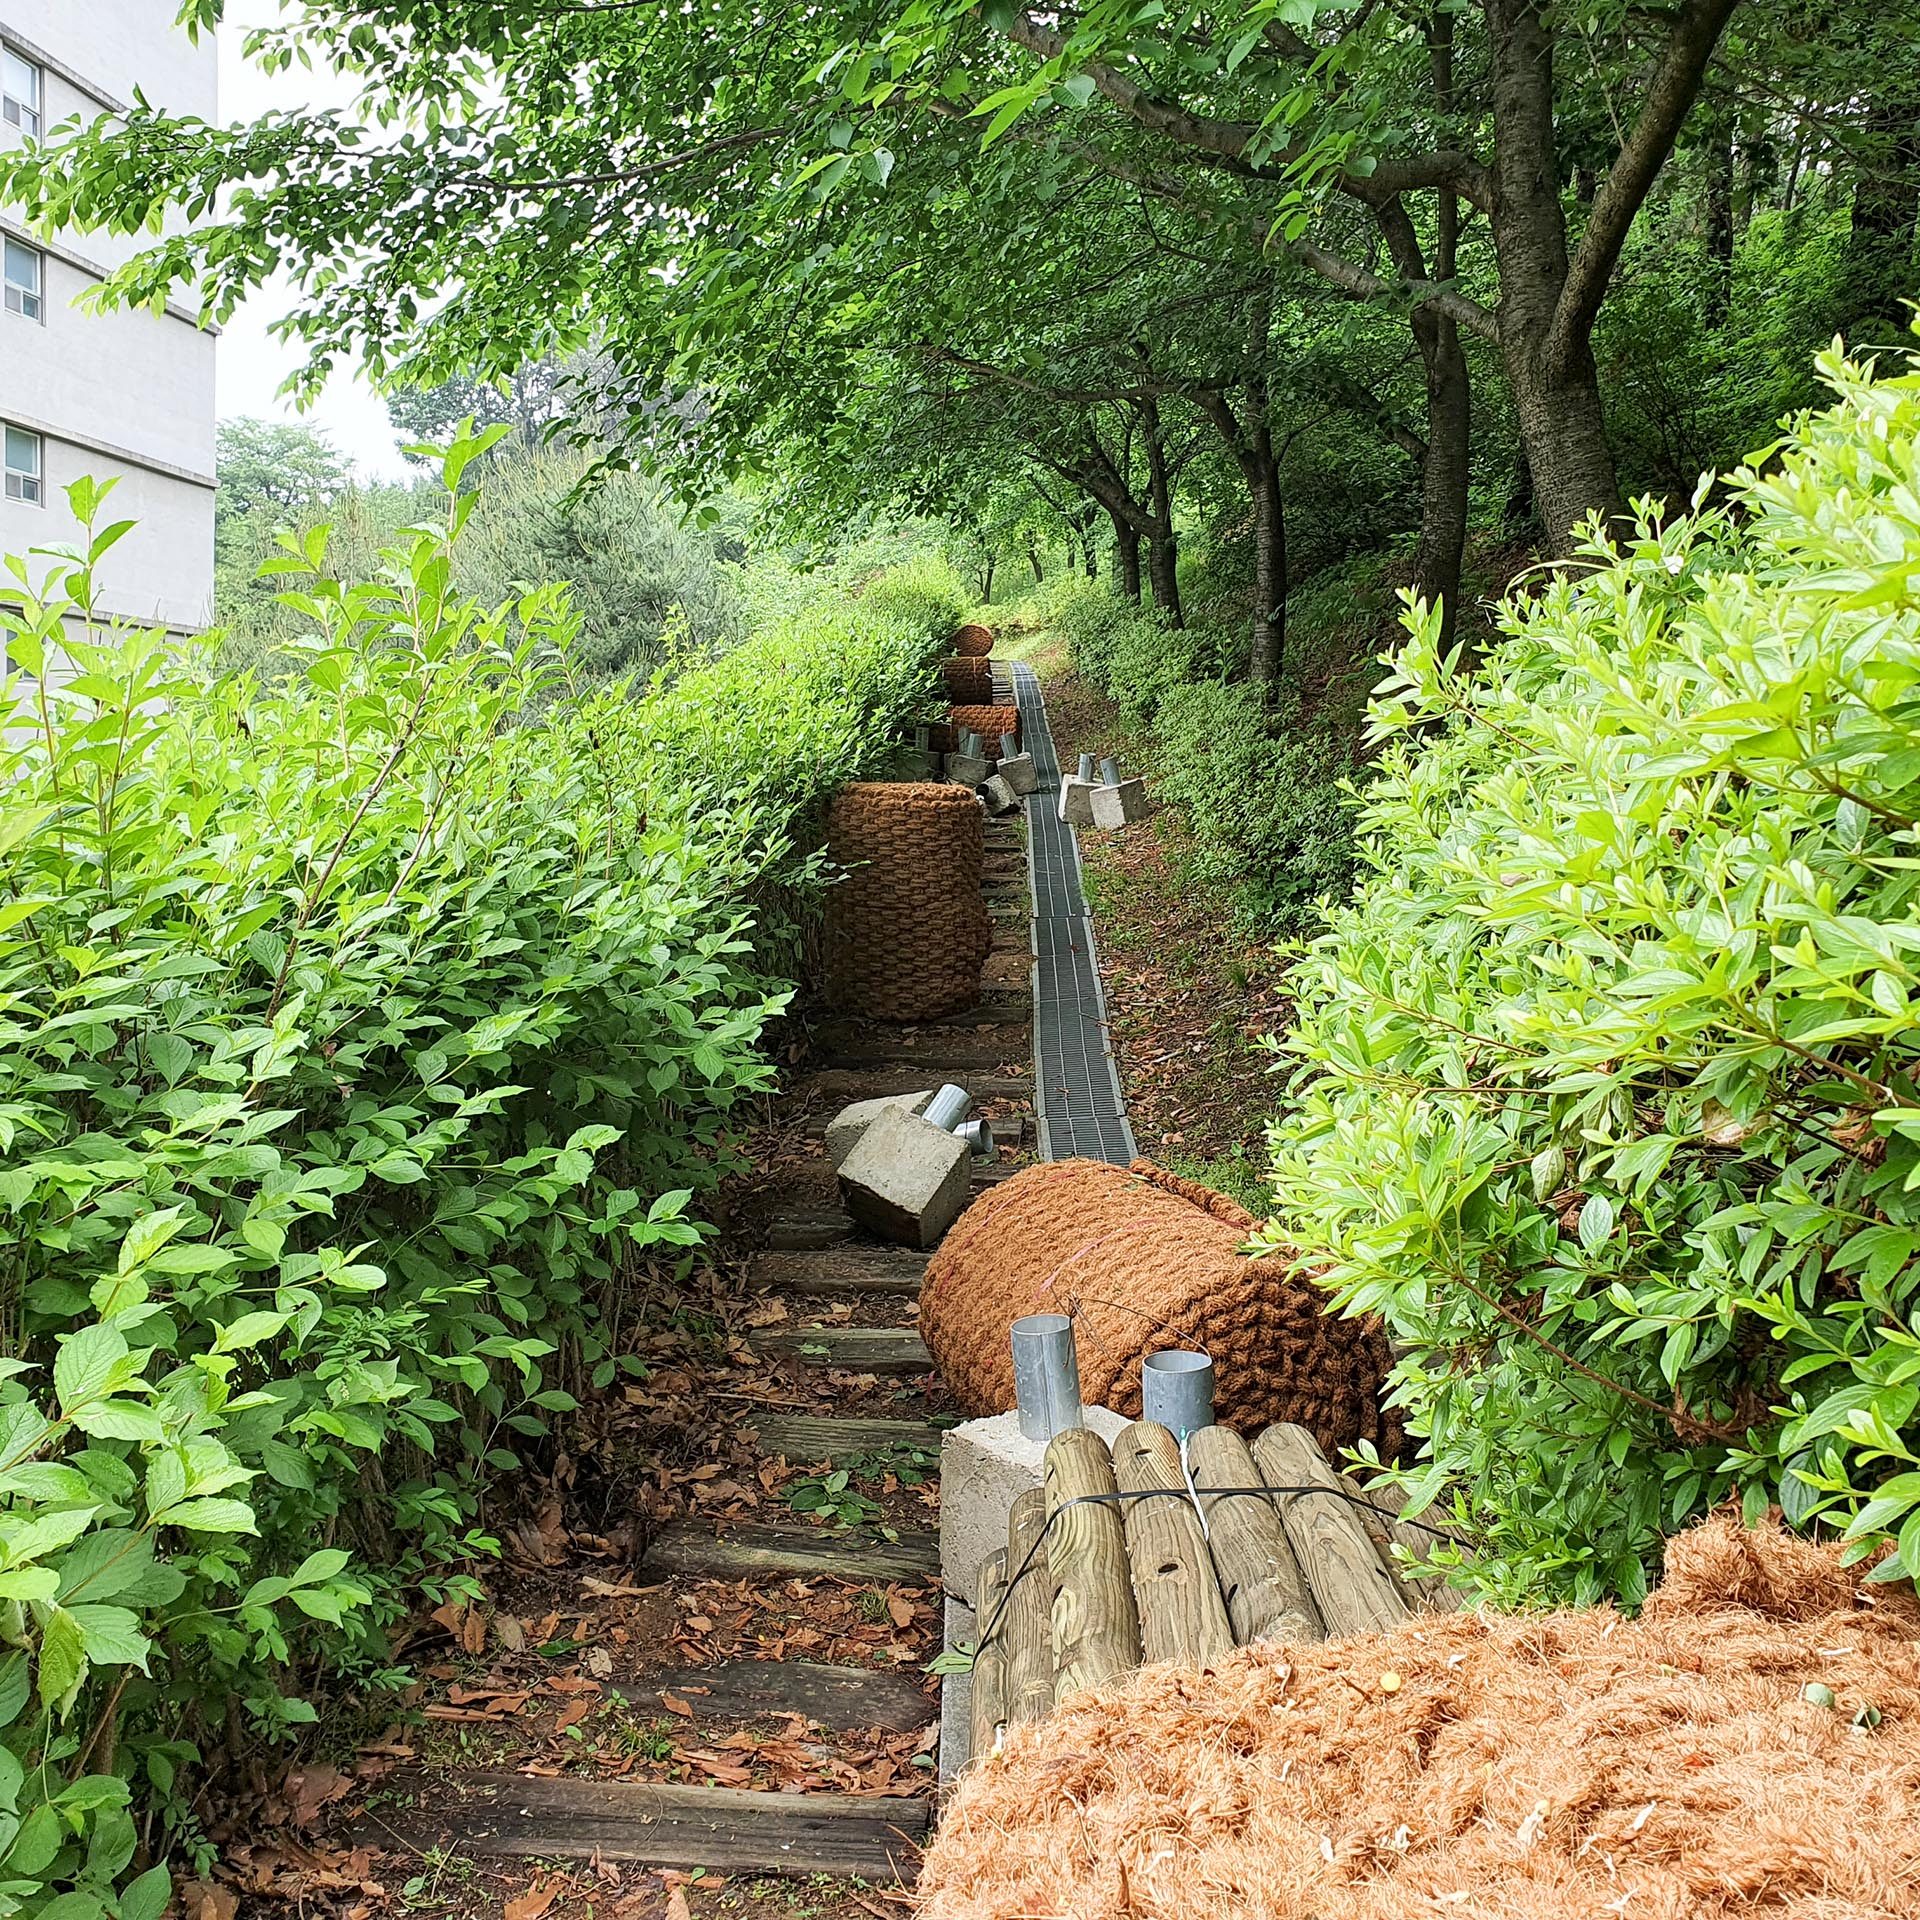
1566	1766
992	723
975	642
907	929
969	681
1143	1260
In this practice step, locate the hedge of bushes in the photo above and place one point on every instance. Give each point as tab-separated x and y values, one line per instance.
360	1033
1609	1078
1260	783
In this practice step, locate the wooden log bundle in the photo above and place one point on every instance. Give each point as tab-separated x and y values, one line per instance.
1351	1584
1182	1616
989	1701
1148	1554
1096	1627
1029	1622
1267	1595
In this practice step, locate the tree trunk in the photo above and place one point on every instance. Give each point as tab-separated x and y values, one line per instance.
1556	397
1163	547
986	583
1033	560
1269	559
1126	557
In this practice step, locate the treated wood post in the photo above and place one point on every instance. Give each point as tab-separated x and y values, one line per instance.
1029	1629
1182	1616
1096	1632
1266	1593
1351	1585
989	1703
1381	1518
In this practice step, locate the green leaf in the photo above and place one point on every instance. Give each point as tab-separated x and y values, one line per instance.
87	1363
210	1516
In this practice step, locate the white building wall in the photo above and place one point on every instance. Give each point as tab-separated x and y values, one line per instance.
126	394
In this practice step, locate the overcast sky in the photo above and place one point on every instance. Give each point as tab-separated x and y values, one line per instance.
251	363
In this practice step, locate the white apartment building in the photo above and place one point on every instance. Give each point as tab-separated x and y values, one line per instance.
127	394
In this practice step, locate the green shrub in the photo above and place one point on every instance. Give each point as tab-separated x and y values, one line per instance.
359	1036
1607	1097
1264	799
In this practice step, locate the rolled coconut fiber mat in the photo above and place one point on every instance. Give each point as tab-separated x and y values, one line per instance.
1698	1763
1142	1261
973	640
968	680
907	929
992	723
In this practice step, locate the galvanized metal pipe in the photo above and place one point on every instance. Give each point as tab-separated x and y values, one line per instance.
1176	1391
1046	1375
1110	772
1086	767
948	1107
978	1136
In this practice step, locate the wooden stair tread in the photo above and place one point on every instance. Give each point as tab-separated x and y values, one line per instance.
819	1232
943	1054
730	1829
844	1083
755	1547
841	1698
808	1438
862	1349
840	1269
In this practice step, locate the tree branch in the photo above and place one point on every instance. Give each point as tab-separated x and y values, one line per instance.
1669	96
1225	142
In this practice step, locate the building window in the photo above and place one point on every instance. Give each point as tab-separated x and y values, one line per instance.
21	268
23	466
19	92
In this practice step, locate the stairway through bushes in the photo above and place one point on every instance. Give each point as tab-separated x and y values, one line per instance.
792	1729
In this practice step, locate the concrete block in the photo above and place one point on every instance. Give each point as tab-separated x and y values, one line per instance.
1076	802
1000	797
1119	806
1017	771
906	1180
846	1127
984	1467
970	769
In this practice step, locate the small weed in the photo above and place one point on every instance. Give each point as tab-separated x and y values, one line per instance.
834	1497
651	1742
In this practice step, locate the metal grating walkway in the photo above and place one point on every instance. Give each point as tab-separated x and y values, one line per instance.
1076	1090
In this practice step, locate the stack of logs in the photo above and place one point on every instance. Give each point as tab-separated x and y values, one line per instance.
1116	1585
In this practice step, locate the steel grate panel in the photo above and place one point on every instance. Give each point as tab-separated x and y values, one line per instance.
1077	1096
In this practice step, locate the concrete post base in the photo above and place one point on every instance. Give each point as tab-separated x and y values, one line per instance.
846	1127
1119	806
906	1180
984	1467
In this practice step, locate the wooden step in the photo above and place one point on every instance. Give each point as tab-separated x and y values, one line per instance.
817	1232
841	1698
751	1549
843	1083
937	1055
894	1350
839	1270
805	1438
728	1829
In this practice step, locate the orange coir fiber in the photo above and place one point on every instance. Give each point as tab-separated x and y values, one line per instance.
969	681
973	640
1143	1260
906	927
994	724
1562	1766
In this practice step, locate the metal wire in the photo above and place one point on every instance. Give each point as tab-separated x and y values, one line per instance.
1118	1499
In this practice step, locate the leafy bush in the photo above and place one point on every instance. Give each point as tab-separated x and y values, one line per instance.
361	1032
1264	799
1607	1096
